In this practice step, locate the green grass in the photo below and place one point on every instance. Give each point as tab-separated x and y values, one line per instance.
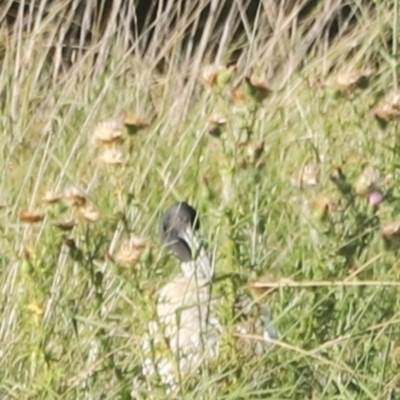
72	319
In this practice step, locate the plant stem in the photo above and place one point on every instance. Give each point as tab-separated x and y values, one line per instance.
395	42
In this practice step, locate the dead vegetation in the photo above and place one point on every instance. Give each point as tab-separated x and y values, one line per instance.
263	114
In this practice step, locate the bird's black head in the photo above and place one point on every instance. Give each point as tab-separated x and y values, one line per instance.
179	219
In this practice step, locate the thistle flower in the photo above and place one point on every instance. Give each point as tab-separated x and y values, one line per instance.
225	77
353	79
390	234
65	226
51	197
73	197
134	123
389	107
254	152
340	180
108	132
375	198
70	243
112	156
308	176
217	75
89	213
322	205
209	74
369	184
251	89
130	251
215	126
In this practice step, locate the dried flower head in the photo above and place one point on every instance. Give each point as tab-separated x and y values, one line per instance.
322	206
340	180
337	175
368	182
217	75
251	89
51	197
353	79
89	213
31	217
108	132
74	198
70	243
215	125
209	74
246	344
390	234
308	176
134	123
112	156
254	152
389	107
130	251
225	77
65	226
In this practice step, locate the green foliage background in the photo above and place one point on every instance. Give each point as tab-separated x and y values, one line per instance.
72	320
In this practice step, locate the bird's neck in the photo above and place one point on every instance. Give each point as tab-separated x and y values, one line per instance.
200	268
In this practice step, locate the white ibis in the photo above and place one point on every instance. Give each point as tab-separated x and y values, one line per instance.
185	319
187	332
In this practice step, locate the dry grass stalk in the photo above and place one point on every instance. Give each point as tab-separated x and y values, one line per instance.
289	283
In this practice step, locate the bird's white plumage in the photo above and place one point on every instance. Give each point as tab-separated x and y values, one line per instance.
187	332
185	320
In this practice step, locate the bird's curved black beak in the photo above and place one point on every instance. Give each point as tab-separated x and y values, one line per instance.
179	233
178	230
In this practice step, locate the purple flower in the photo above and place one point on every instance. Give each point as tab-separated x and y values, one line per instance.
375	198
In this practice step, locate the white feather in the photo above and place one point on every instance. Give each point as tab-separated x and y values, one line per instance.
185	320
